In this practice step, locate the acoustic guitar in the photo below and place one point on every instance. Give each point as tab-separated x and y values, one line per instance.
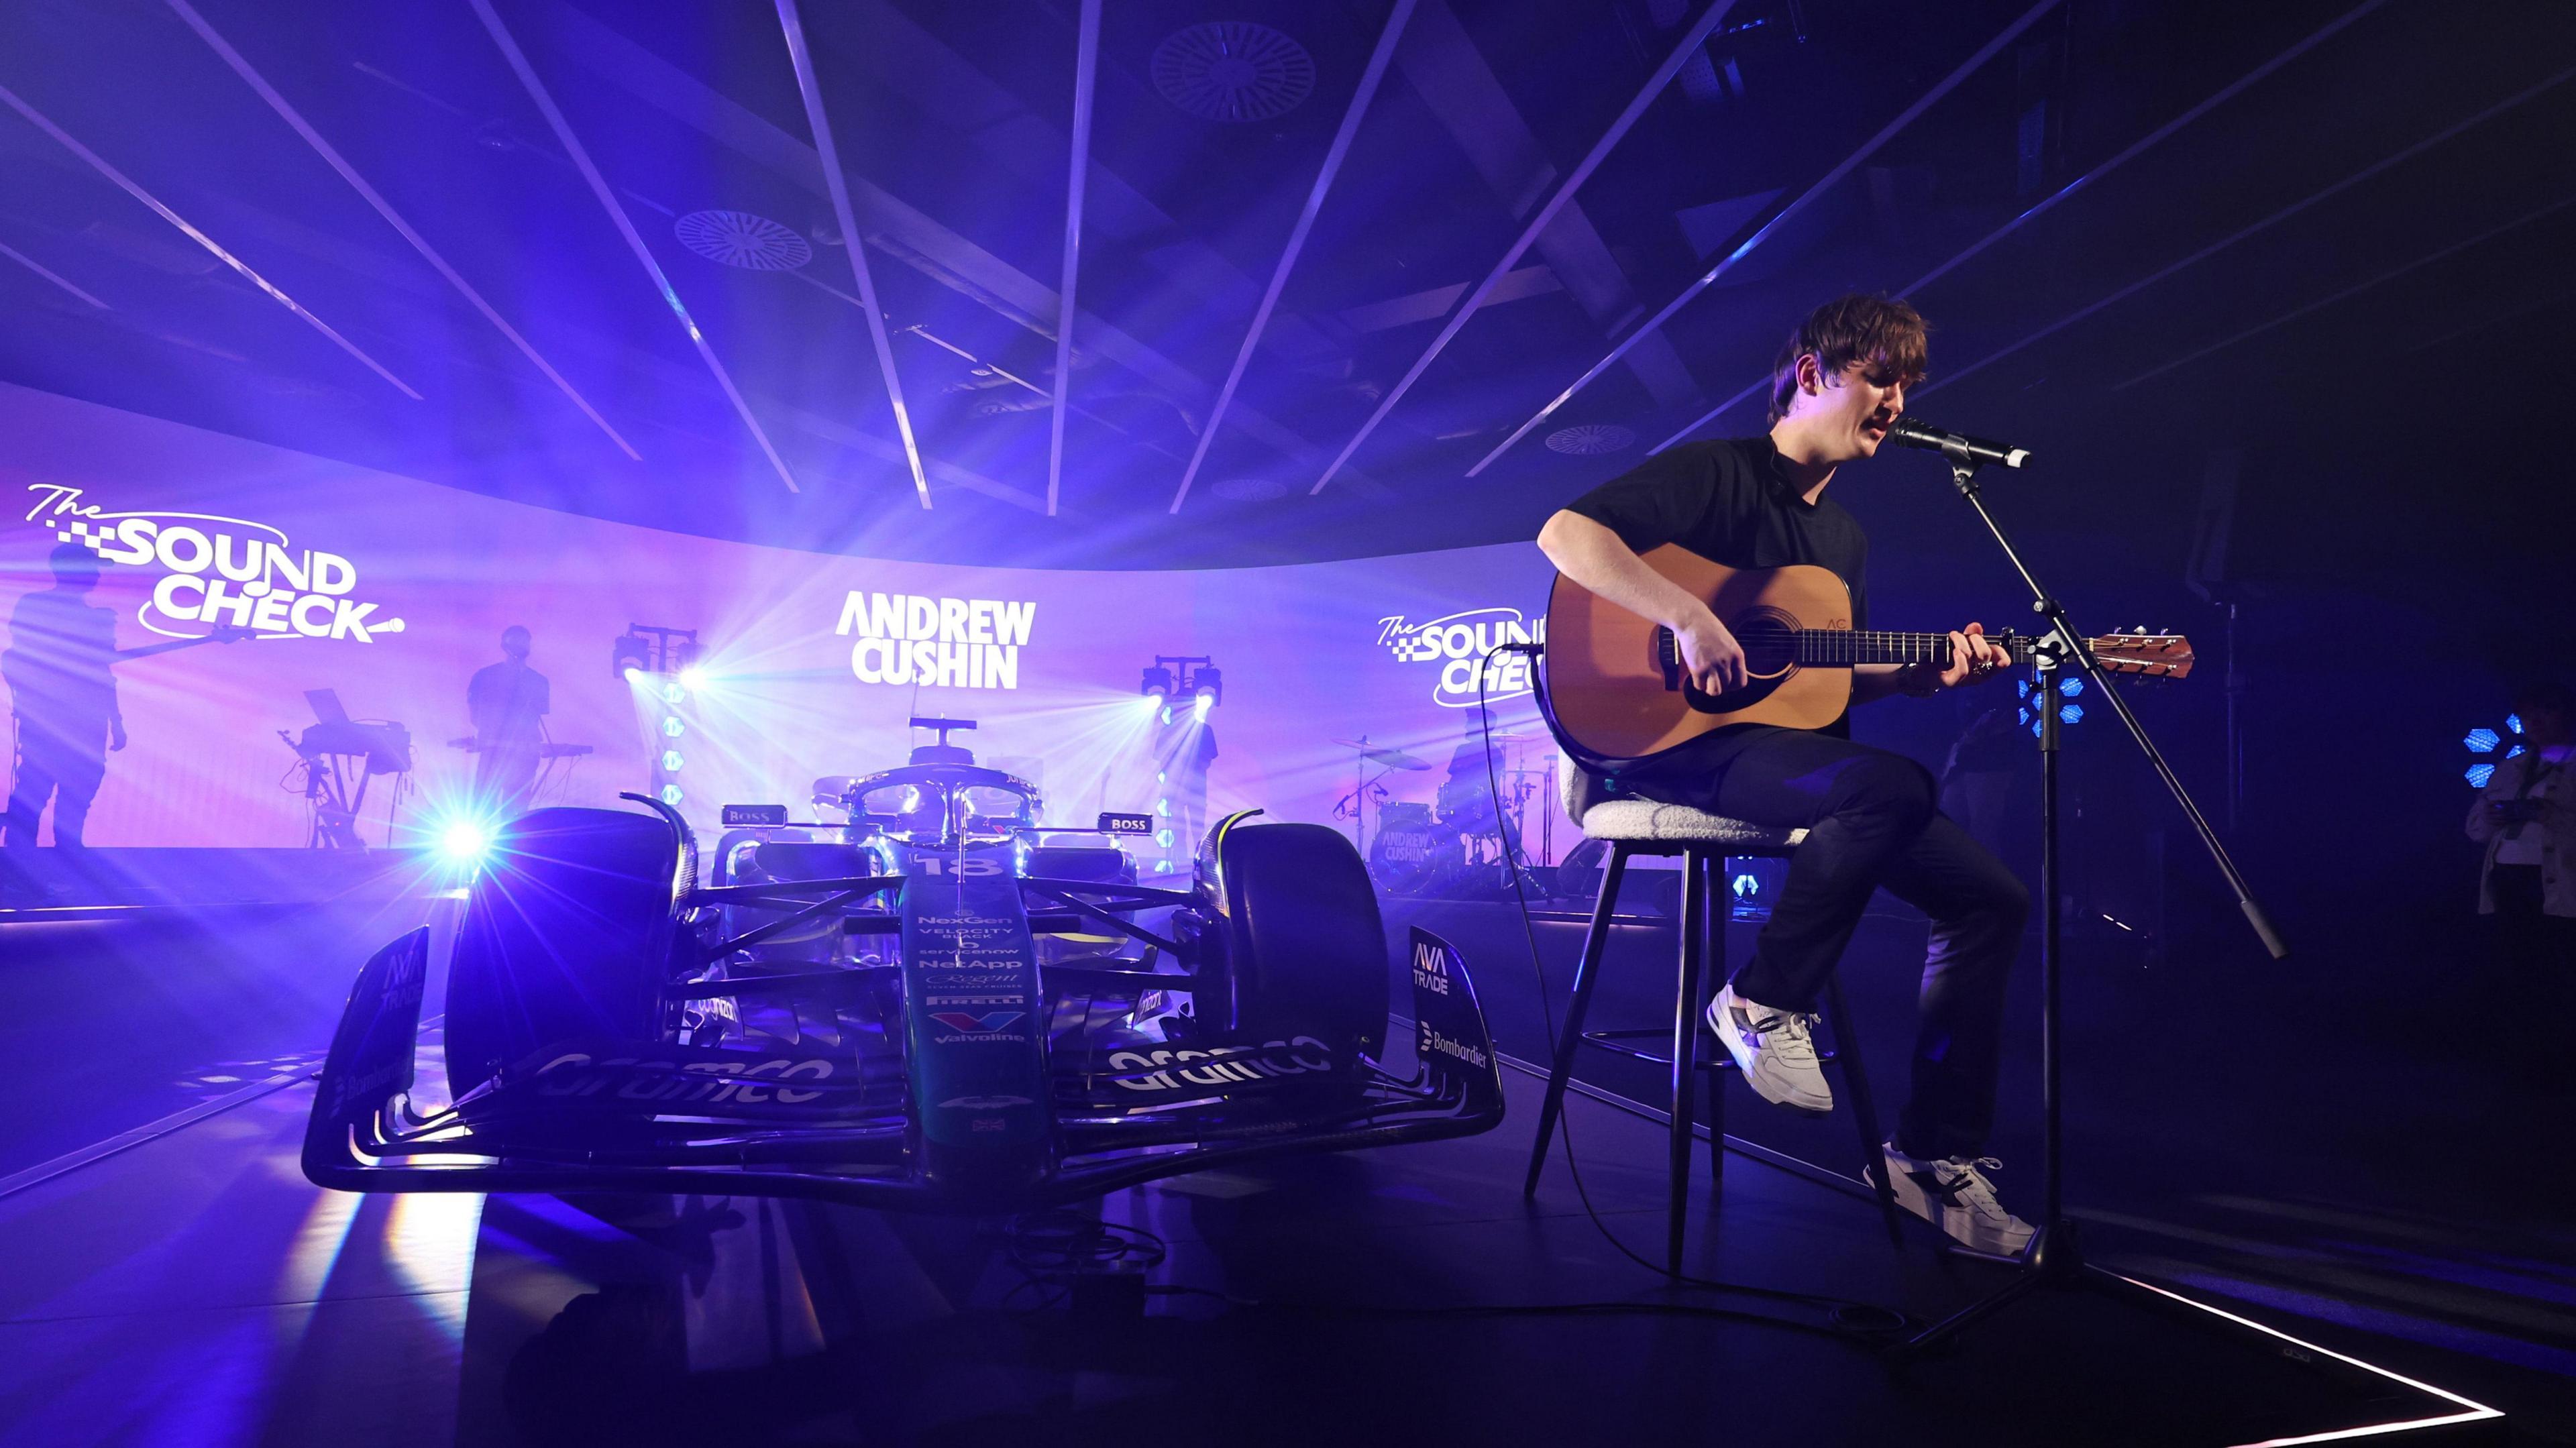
1614	687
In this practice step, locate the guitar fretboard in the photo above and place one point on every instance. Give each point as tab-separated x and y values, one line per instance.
1827	646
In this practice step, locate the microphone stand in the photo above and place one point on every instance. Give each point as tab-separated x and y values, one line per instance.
2053	1259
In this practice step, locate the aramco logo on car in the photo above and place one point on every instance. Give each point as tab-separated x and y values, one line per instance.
1459	643
950	643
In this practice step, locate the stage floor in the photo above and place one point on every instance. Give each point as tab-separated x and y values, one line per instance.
193	1289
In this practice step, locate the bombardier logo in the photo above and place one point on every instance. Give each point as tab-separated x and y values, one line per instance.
1458	643
1434	1041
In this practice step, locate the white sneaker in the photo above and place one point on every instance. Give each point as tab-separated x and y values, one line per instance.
1954	1195
1776	1050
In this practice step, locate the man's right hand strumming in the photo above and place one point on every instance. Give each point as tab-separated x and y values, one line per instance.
1714	658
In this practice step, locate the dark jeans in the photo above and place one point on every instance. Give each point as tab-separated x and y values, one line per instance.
2536	954
64	761
1872	823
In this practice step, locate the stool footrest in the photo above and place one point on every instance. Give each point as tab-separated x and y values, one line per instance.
1715	1061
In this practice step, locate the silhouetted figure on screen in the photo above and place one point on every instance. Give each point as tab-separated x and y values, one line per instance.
508	702
64	696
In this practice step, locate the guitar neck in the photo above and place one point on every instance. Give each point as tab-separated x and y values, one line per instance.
1824	647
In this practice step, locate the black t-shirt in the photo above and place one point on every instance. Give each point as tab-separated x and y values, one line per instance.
505	700
1729	502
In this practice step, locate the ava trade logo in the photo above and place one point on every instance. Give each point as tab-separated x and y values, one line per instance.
1458	643
216	570
987	1024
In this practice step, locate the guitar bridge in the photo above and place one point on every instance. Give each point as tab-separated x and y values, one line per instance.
1668	658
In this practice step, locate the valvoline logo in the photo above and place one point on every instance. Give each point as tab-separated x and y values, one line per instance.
985	1024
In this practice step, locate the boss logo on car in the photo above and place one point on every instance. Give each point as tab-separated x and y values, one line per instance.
1220	1065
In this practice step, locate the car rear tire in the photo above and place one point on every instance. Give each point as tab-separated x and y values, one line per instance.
568	933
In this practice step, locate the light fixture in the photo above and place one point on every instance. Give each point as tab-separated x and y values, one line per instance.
465	842
1208	683
1158	683
671	761
693	679
631	657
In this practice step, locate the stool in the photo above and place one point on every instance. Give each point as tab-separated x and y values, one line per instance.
1704	841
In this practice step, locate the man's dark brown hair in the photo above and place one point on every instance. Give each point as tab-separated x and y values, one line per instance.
1887	335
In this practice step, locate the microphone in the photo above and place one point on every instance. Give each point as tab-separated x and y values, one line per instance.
1910	433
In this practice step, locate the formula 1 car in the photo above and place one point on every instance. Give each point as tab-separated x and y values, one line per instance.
937	1006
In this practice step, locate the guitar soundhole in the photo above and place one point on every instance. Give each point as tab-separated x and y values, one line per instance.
1770	642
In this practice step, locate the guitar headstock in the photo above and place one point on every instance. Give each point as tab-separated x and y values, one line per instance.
2147	655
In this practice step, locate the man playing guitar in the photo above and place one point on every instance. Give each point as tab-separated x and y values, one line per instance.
1871	815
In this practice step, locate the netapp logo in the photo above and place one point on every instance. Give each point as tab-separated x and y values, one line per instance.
217	571
953	643
1458	643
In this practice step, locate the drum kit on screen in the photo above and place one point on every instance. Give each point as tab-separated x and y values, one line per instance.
1453	846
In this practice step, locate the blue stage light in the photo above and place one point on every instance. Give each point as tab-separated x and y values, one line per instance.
634	675
2482	741
1745	887
1163	807
671	795
674	694
2510	753
693	679
2070	713
672	726
2021	688
1162	867
465	842
671	761
1163	839
2070	687
2479	774
2513	723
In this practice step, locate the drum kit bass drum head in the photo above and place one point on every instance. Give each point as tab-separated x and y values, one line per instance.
1452	847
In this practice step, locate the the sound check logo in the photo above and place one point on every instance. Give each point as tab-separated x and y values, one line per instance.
1458	643
217	571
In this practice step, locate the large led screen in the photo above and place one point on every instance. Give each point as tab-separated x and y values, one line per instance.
390	593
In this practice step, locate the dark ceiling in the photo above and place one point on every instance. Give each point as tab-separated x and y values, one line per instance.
2308	269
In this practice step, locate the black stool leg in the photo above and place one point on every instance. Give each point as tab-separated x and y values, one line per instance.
1721	909
1586	975
1694	925
1856	1079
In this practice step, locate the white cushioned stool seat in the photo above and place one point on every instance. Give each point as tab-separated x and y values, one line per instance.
1602	815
